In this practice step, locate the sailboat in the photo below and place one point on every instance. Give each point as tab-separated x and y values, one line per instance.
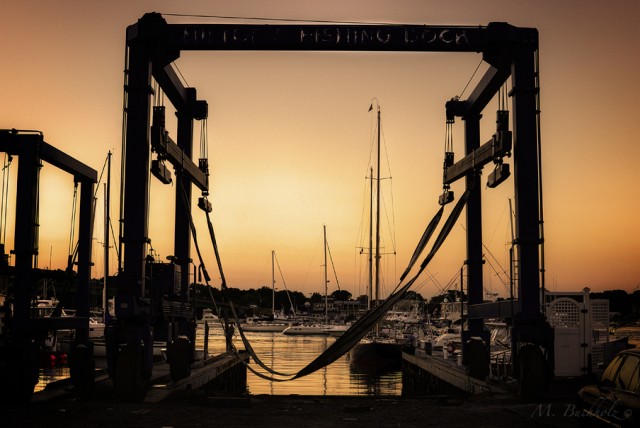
276	324
376	351
314	329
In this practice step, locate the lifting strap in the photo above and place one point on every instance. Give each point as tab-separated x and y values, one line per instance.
363	325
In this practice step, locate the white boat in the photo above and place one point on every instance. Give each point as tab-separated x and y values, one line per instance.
278	322
315	329
209	317
336	330
254	325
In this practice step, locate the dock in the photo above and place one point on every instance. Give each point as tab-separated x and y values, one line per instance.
226	371
432	373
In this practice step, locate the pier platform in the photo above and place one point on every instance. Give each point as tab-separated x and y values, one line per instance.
225	371
425	373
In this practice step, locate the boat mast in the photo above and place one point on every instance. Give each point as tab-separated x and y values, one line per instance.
273	285
378	214
370	240
324	228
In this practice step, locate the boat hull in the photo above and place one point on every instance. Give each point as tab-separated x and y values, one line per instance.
264	328
303	330
376	356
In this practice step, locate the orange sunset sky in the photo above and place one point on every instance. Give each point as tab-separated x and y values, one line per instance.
290	136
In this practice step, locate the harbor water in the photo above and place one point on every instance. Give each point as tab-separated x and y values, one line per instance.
287	354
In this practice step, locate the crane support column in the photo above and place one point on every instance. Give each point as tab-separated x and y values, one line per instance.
475	339
182	237
532	337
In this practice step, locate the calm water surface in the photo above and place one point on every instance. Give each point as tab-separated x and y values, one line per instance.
289	354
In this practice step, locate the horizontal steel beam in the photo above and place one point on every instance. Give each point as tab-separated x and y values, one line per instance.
13	142
497	147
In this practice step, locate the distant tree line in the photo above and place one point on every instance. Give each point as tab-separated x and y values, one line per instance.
62	285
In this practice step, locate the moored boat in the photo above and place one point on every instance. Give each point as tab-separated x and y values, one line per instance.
306	330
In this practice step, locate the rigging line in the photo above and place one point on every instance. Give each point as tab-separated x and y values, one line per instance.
470	79
104	166
284	283
392	231
113	236
73	220
323	21
441	289
494	258
333	266
390	224
360	234
499	221
446	228
498	273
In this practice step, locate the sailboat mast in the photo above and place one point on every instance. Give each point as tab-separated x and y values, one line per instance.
273	285
324	228
370	294
378	215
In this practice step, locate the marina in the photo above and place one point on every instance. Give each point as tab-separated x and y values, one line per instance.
184	316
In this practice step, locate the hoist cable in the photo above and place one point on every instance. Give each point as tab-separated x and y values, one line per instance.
4	209
540	199
123	151
363	325
203	139
224	287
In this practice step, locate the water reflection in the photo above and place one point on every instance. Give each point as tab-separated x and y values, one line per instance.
289	354
48	375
